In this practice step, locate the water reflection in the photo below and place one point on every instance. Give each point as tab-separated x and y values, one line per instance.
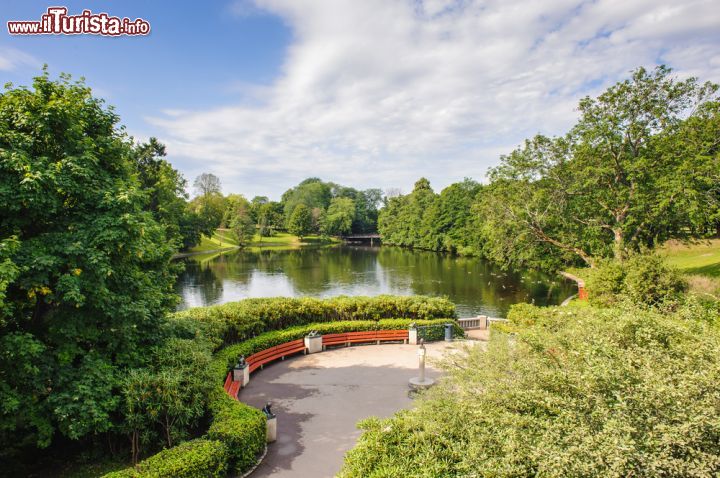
475	285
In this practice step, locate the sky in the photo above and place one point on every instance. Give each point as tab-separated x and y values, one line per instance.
365	93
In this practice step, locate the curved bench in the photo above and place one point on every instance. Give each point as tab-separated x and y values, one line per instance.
365	337
281	351
258	359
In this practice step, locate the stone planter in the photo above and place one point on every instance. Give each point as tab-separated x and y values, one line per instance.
271	430
413	336
241	373
313	343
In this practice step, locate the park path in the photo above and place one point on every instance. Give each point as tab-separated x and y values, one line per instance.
319	398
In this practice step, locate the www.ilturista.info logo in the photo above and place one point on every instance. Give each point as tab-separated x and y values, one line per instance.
57	22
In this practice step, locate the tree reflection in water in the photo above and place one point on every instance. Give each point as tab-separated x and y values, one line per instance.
475	285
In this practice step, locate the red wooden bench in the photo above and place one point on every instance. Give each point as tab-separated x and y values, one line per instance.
231	387
273	353
258	359
365	337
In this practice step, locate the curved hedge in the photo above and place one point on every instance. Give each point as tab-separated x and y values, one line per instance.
191	459
237	432
228	356
241	427
237	321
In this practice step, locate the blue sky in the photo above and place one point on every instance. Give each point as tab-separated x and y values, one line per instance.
371	93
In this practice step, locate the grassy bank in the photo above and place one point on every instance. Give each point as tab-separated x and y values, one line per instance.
222	239
702	258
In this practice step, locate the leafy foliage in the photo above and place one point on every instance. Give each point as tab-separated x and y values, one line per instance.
339	217
247	318
301	221
614	184
166	196
238	217
241	428
192	459
84	267
162	402
425	220
573	392
641	280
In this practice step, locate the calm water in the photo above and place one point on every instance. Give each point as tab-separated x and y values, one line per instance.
475	285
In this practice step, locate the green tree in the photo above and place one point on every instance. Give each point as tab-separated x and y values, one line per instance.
610	186
339	217
167	198
300	222
84	266
162	402
270	218
238	217
405	220
312	193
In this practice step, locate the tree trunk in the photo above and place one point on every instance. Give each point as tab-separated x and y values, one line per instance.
134	445
618	246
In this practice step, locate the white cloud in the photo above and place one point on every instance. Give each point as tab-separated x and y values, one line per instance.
12	59
380	92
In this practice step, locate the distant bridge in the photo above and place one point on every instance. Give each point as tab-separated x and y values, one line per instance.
362	237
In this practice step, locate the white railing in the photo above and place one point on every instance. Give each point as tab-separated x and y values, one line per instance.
481	322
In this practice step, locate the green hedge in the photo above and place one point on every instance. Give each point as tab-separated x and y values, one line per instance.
237	433
228	356
240	427
237	321
191	459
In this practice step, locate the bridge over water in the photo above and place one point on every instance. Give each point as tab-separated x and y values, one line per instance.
362	237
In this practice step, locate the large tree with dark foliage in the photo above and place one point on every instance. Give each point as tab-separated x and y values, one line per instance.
84	266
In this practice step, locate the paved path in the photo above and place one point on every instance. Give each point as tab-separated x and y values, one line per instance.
319	398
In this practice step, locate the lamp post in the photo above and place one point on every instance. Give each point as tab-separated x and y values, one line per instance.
421	382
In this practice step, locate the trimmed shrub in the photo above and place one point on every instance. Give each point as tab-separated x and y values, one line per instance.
250	317
193	459
241	427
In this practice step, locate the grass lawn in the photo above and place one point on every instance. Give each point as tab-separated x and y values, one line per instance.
222	239
702	258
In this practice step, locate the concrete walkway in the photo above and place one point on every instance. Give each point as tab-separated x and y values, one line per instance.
319	398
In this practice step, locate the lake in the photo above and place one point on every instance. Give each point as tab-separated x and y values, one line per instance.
475	285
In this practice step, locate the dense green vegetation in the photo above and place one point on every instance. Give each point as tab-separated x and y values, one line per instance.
312	207
236	321
569	392
86	270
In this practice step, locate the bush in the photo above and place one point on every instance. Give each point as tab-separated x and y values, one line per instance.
578	392
250	317
193	459
641	279
650	280
241	428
